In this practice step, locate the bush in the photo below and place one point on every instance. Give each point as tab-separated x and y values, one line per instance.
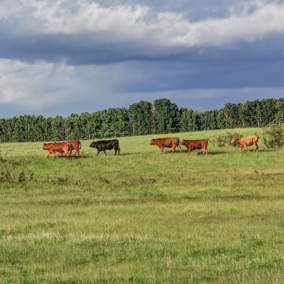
225	140
273	135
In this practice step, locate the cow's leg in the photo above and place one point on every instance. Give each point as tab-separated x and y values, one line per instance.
241	149
195	152
67	154
105	152
179	149
255	147
98	152
174	148
246	147
162	148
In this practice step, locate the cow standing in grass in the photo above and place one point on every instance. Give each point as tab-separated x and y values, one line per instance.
196	144
166	142
246	141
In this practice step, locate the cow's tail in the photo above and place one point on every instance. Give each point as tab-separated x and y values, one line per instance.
80	144
211	142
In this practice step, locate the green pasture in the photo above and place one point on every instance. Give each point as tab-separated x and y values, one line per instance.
142	217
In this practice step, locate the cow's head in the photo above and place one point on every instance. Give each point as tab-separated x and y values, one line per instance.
93	145
45	146
153	142
234	140
182	142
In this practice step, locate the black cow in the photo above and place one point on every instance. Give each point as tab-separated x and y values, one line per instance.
106	145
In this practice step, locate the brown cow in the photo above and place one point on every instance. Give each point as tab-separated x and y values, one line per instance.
166	142
246	141
57	147
74	145
196	144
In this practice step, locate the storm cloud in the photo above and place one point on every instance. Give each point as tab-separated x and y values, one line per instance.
72	56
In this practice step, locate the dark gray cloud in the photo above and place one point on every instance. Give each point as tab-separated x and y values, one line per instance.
102	54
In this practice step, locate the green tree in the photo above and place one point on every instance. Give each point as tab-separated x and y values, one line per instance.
165	117
140	118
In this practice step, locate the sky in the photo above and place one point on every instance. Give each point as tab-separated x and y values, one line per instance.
62	57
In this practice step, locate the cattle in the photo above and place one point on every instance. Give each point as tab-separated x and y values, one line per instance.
106	145
166	143
196	144
52	148
246	141
74	145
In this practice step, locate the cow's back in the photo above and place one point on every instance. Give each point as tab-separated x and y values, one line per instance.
249	140
167	142
198	144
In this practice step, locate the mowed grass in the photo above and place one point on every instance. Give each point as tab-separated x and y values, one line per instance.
142	217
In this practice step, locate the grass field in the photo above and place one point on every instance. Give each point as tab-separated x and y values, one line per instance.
142	217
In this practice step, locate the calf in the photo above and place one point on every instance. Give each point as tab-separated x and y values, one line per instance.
166	142
196	144
246	141
106	145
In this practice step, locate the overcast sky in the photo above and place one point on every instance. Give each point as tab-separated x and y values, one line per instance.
59	56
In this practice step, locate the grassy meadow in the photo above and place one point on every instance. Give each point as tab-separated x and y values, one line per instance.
142	217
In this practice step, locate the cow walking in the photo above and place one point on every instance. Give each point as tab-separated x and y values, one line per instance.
166	142
52	148
106	145
246	141
74	145
196	144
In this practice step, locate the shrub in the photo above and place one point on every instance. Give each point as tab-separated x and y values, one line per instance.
225	140
273	135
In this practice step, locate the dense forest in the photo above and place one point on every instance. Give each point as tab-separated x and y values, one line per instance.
142	118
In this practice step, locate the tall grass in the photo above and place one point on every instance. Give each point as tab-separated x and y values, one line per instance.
142	217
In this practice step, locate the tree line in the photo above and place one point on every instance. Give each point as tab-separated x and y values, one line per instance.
142	118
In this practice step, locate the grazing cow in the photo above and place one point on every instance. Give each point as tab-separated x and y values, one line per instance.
246	141
196	144
106	145
57	147
166	142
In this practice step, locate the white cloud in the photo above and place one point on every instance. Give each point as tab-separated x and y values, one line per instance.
138	22
41	86
34	86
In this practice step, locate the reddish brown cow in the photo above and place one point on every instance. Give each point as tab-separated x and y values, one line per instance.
74	145
57	147
166	142
246	141
196	144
